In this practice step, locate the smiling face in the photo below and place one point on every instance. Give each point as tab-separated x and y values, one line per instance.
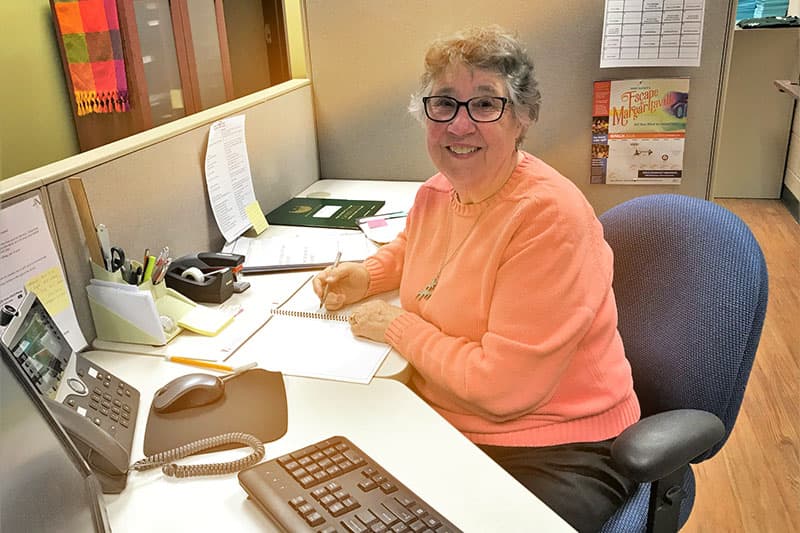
476	157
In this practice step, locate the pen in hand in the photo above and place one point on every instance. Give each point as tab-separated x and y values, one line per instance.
325	290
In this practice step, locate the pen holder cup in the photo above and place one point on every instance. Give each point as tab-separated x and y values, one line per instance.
102	274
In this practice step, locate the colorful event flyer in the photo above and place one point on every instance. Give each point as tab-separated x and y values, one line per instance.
638	131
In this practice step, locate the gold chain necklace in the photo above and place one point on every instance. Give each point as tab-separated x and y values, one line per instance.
427	291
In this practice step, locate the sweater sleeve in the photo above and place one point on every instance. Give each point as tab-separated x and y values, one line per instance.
385	267
554	276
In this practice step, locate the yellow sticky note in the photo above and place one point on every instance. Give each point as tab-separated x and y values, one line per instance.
256	217
51	290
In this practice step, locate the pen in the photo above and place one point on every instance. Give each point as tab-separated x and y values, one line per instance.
384	216
325	290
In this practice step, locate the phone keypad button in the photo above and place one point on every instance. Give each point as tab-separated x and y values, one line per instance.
77	385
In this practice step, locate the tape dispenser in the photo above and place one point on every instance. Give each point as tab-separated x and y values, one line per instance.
206	276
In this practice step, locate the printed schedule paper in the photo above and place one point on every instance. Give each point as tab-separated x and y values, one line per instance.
652	33
230	185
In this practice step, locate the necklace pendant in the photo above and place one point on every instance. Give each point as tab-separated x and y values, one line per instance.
426	293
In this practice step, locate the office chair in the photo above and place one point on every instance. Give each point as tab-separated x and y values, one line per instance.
691	288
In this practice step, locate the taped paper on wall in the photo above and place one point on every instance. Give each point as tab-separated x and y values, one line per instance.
31	263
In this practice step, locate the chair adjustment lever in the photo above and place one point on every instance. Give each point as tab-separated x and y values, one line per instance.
666	495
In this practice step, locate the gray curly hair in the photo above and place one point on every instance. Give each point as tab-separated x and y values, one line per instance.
488	48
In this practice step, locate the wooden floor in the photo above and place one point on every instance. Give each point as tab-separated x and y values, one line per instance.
753	484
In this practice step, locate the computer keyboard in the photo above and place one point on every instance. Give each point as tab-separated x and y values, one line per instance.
332	486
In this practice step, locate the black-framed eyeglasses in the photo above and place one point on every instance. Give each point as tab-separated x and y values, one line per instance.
479	108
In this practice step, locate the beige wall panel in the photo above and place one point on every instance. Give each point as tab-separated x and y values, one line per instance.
366	57
756	117
156	196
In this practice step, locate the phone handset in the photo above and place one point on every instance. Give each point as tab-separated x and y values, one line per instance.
107	458
171	469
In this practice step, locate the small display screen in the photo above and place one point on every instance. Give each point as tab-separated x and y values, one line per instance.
41	350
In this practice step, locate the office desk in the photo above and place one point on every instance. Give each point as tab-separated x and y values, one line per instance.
270	289
385	419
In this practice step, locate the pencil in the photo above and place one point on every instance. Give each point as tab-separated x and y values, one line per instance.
200	363
325	290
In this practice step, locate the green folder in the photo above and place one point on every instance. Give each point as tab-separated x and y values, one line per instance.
323	212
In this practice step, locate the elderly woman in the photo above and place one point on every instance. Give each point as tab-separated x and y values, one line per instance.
508	316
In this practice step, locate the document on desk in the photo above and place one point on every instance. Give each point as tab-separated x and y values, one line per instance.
230	185
271	254
301	340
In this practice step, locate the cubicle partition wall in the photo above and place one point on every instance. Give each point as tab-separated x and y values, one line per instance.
150	190
365	58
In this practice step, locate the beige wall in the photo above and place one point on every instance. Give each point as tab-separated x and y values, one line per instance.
33	97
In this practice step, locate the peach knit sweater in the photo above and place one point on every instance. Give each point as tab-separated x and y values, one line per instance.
518	345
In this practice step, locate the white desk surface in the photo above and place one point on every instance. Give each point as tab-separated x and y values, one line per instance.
269	289
385	419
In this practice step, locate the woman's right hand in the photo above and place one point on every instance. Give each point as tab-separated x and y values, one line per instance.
347	283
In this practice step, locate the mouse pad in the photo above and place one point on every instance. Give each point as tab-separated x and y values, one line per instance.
254	402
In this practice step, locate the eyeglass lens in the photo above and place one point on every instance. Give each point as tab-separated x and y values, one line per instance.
479	108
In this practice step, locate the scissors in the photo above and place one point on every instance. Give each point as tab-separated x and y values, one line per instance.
117	258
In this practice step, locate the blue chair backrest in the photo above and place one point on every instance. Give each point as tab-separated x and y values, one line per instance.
691	287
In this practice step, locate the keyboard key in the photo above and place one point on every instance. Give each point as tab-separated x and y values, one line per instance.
388	487
314	519
367	485
337	509
366	517
417	525
308	450
385	516
305	509
401	512
353	525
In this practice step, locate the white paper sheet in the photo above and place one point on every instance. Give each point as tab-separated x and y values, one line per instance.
230	185
645	33
30	262
137	307
296	251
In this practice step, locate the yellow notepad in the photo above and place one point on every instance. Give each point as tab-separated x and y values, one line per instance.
205	320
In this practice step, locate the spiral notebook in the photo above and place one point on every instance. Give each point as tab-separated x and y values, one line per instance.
301	340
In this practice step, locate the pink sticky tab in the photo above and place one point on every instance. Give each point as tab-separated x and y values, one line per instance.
377	223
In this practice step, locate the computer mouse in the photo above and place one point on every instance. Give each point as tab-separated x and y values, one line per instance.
184	392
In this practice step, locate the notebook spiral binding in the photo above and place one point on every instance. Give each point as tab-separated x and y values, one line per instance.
309	314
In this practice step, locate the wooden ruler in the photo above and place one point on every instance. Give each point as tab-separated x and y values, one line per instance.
87	221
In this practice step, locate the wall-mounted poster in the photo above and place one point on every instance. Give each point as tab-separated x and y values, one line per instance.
638	131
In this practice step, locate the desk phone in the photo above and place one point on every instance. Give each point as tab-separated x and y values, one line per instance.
97	409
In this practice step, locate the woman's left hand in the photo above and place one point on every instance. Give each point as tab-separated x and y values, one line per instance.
371	319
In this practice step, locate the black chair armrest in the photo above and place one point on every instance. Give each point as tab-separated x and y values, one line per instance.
658	445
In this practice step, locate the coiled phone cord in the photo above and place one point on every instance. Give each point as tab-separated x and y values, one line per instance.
174	470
